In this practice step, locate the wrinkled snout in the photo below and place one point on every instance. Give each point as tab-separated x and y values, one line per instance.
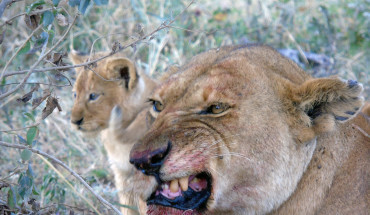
149	158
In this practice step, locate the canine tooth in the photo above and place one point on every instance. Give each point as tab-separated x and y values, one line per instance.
184	183
165	186
174	186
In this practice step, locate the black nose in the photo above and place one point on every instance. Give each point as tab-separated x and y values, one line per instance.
150	161
78	122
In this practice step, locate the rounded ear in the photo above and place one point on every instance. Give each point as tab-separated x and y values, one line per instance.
124	69
325	102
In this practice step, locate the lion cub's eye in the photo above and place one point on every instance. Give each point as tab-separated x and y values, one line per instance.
93	96
157	106
216	108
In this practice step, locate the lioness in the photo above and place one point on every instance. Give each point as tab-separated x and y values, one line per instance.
114	81
244	130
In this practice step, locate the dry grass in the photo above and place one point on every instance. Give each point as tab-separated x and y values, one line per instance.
338	29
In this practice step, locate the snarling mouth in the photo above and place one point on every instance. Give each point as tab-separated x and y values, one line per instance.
187	193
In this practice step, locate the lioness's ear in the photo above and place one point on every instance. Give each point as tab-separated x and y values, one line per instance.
326	101
124	69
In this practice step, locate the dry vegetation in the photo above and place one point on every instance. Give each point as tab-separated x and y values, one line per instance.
325	37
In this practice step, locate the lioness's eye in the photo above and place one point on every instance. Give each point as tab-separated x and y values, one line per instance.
93	96
157	106
216	108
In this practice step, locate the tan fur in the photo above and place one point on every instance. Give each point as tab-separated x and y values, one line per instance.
288	144
125	87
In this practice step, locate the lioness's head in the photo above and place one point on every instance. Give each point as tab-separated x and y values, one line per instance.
112	81
234	130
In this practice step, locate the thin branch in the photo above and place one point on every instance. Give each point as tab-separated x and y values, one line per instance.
101	199
53	85
19	49
101	77
189	30
22	14
20	129
15	171
3	5
135	42
2	96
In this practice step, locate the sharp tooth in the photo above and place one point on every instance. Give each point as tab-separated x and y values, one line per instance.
184	183
174	186
165	186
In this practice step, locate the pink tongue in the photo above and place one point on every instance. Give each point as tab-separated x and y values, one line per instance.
197	186
201	184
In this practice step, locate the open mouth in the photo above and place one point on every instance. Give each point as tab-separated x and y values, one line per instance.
187	193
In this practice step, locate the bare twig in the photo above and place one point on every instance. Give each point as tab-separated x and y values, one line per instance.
3	5
2	96
101	77
57	161
20	129
22	14
135	42
15	171
54	85
16	53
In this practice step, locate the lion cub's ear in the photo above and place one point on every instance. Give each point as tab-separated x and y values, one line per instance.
77	57
124	69
327	101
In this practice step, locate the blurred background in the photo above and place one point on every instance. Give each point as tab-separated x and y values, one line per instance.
324	37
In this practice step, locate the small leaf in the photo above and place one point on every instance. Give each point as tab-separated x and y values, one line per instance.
56	2
26	154
83	6
26	48
25	186
62	20
12	198
35	191
26	97
30	172
21	140
40	43
73	3
101	2
51	104
31	134
30	116
47	18
100	173
34	5
37	101
32	21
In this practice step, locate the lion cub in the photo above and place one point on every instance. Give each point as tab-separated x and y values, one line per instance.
114	81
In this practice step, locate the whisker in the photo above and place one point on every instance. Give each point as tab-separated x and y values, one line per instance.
233	154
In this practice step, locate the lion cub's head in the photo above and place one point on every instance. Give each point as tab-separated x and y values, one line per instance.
234	130
112	81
